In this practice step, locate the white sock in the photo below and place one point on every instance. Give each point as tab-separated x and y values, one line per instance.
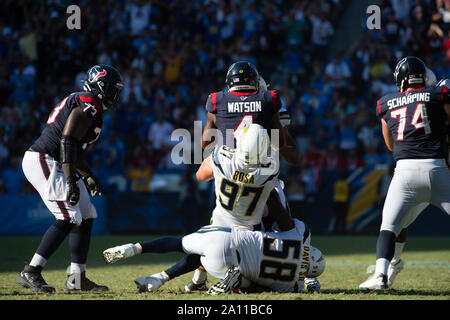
38	260
163	276
137	248
77	267
382	266
398	251
199	276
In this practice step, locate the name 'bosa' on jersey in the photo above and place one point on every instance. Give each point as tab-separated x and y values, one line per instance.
233	109
416	120
241	193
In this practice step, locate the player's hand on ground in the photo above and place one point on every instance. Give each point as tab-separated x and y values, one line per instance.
73	192
92	184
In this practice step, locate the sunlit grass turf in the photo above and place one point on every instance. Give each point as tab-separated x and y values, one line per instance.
426	275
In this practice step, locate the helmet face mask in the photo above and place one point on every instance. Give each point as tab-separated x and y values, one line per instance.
242	75
409	71
105	82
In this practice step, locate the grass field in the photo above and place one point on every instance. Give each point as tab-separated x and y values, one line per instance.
426	275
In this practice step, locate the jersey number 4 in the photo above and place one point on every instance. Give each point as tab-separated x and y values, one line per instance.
419	119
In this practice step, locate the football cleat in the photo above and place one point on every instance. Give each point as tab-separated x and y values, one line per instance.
377	281
191	286
114	254
79	282
393	270
150	283
31	277
228	284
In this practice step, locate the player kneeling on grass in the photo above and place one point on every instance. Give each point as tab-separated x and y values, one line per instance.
271	261
215	247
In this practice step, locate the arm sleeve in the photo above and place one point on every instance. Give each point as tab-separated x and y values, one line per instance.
276	100
89	106
211	103
378	109
445	95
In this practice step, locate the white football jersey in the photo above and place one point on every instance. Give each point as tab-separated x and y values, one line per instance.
241	193
275	260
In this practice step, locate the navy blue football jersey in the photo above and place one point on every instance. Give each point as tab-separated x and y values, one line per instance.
416	120
49	141
234	109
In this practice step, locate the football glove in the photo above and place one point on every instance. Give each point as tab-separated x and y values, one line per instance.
73	192
312	285
228	284
92	184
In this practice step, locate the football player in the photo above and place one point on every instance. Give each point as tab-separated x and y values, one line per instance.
231	109
414	128
56	168
276	261
397	264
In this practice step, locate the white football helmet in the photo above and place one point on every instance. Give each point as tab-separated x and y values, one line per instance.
317	263
262	85
252	143
430	78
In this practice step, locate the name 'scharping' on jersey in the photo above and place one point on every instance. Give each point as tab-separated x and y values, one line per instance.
408	99
241	193
236	109
416	120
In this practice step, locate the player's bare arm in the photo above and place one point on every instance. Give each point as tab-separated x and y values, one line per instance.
75	128
290	152
447	111
277	125
205	172
387	135
278	212
210	124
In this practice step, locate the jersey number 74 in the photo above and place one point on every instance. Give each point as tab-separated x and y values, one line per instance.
419	120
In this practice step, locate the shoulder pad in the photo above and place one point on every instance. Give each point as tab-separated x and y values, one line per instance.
88	103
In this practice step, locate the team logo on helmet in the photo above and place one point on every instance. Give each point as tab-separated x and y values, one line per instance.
96	73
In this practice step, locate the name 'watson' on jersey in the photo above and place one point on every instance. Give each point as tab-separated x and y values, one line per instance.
233	109
416	120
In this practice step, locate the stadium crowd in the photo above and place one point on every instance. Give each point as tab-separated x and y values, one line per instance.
172	54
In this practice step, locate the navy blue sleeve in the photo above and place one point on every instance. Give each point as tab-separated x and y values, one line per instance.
211	104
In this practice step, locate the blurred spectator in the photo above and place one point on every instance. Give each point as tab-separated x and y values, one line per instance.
322	30
173	53
113	153
341	196
337	72
13	177
159	135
